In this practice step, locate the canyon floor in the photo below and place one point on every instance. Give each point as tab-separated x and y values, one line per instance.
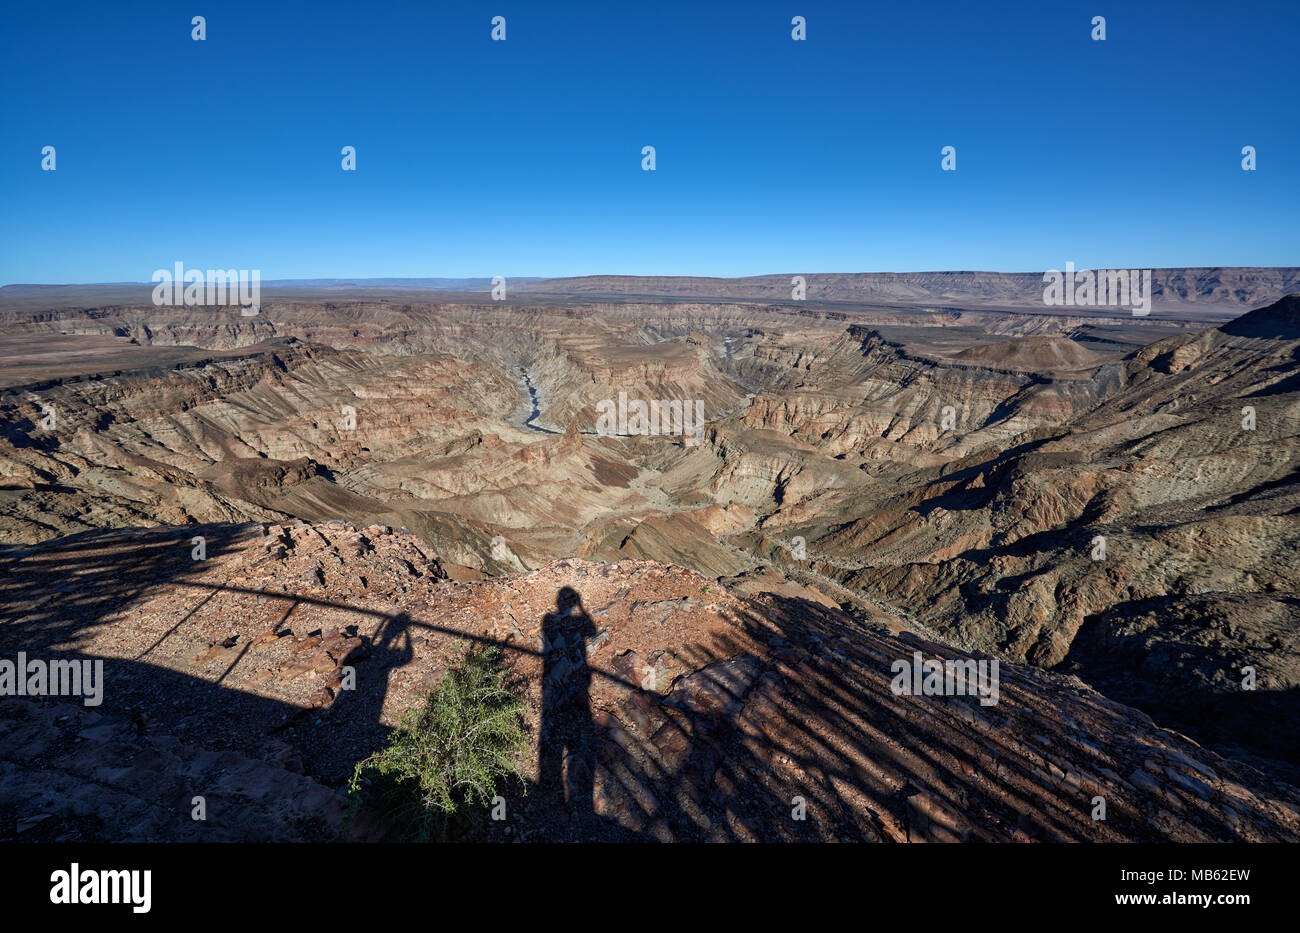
1105	504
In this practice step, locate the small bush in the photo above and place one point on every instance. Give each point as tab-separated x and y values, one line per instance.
449	751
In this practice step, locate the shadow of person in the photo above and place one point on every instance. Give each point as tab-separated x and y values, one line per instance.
352	726
566	753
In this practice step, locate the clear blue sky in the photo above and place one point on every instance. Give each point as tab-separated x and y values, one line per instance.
523	157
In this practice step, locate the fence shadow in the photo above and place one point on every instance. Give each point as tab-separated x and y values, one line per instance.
782	726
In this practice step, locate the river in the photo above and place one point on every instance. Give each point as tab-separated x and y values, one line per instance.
532	399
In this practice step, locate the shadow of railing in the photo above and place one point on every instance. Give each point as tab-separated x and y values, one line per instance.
782	725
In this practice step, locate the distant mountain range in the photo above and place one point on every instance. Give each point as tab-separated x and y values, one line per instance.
1242	286
1230	290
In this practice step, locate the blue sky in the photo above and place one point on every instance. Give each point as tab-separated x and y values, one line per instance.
523	157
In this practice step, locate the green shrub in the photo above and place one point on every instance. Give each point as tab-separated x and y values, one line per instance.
449	751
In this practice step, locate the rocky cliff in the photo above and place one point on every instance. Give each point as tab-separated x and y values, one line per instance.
256	676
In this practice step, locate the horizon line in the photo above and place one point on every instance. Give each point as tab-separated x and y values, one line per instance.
357	280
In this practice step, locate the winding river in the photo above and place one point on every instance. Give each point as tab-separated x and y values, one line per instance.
530	422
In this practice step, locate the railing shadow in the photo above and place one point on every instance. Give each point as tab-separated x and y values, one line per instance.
781	726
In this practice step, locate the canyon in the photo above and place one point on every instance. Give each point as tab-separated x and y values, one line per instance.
1105	504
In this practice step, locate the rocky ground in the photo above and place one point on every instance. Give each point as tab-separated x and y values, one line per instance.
685	711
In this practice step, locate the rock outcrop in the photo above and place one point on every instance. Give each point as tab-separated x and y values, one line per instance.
255	677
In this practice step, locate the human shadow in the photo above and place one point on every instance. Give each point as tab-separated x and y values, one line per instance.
165	733
778	726
566	746
351	727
